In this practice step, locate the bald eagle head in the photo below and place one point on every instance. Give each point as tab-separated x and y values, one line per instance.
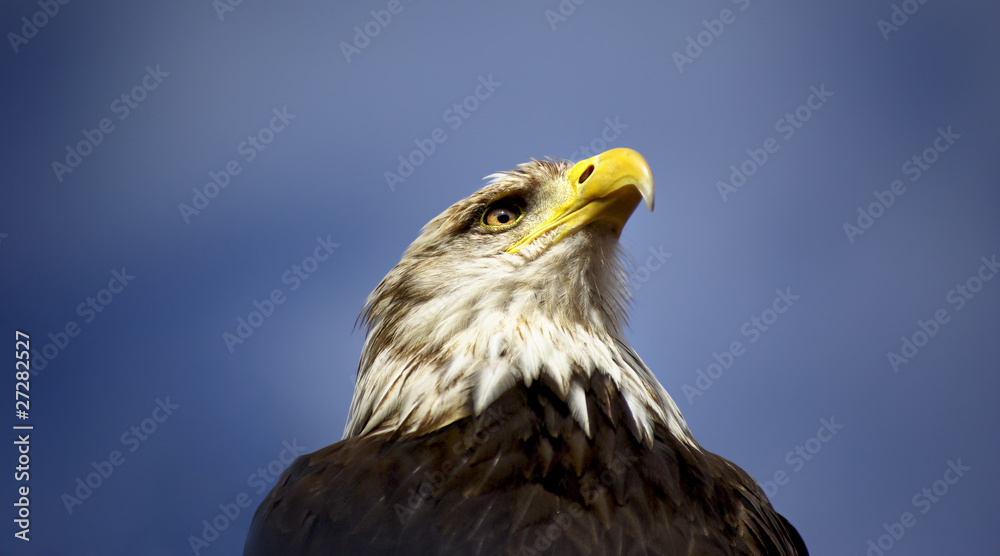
521	282
497	398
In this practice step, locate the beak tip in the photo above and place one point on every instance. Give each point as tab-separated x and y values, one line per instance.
648	192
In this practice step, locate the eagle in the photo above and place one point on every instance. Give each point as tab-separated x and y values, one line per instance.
499	408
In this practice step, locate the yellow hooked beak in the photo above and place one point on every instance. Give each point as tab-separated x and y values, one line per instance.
604	188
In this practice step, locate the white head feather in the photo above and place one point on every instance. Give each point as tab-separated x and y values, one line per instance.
460	320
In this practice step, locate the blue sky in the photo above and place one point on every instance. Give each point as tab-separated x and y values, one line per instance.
815	287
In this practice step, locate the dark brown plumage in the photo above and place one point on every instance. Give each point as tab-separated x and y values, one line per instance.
521	478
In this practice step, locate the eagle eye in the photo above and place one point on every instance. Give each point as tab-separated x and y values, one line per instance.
503	213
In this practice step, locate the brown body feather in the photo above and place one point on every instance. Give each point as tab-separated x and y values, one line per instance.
521	478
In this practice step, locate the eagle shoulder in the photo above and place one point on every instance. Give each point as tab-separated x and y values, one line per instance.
522	478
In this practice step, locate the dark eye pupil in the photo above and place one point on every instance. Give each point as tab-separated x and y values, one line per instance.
502	213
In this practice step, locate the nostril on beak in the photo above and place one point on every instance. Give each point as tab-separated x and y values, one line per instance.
586	174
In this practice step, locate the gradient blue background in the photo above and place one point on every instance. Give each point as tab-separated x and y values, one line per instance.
324	176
